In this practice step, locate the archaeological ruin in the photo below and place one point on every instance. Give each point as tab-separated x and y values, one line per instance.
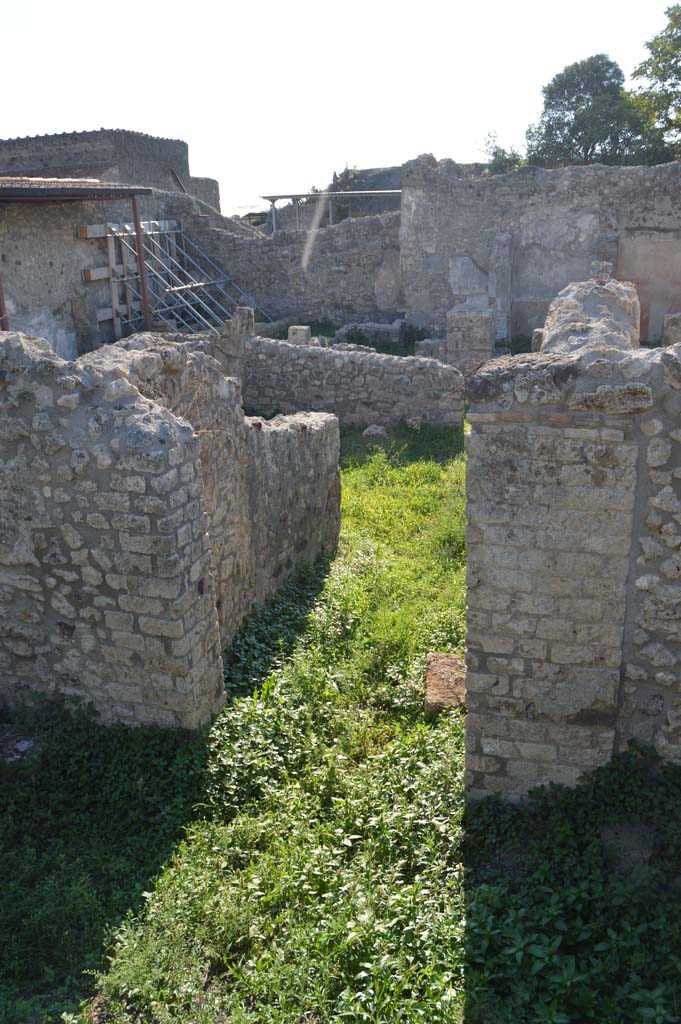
170	450
141	515
574	575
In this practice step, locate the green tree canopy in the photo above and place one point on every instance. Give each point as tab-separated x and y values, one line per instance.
588	117
662	69
500	160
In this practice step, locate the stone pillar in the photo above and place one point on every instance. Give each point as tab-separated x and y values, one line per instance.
671	330
231	345
556	501
470	339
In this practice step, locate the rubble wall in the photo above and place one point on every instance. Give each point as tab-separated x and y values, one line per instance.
294	482
508	243
114	155
106	583
574	576
360	388
141	516
346	271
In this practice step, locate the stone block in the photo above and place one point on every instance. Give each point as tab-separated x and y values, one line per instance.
445	683
299	335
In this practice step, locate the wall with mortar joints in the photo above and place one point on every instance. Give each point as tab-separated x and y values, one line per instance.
360	388
103	600
348	271
140	516
270	490
550	512
574	587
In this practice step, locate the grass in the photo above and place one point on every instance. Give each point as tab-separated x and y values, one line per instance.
309	860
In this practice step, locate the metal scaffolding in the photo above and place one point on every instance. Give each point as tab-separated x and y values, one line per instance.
159	276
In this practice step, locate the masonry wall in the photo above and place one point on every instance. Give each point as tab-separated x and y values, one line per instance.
346	271
140	516
574	576
106	586
509	243
360	388
111	155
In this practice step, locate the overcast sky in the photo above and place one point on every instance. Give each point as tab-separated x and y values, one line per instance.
273	97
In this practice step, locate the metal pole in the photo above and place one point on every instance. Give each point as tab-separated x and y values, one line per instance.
274	219
4	322
141	269
330	212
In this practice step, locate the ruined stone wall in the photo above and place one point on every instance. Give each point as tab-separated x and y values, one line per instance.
294	483
359	387
125	157
574	580
140	516
351	269
106	586
509	243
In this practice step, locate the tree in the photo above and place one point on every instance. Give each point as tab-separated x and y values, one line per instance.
662	69
500	160
588	117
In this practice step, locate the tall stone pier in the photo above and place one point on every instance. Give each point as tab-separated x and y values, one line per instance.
574	549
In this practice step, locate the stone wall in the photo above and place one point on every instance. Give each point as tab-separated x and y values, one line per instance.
120	156
140	516
470	340
346	272
574	579
507	244
359	387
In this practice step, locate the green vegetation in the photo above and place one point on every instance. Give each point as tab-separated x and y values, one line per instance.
589	117
303	861
662	70
308	807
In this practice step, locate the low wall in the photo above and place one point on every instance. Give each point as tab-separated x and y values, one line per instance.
360	388
574	574
140	516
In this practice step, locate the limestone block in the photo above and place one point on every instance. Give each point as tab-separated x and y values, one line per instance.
594	313
298	335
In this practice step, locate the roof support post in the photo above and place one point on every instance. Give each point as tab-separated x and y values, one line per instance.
274	217
141	268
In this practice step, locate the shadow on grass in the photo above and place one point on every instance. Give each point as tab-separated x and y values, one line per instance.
269	634
91	817
85	824
403	445
573	900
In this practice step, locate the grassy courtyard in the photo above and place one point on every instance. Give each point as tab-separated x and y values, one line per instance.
308	860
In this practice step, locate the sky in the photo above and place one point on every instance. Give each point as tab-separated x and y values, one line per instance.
274	97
